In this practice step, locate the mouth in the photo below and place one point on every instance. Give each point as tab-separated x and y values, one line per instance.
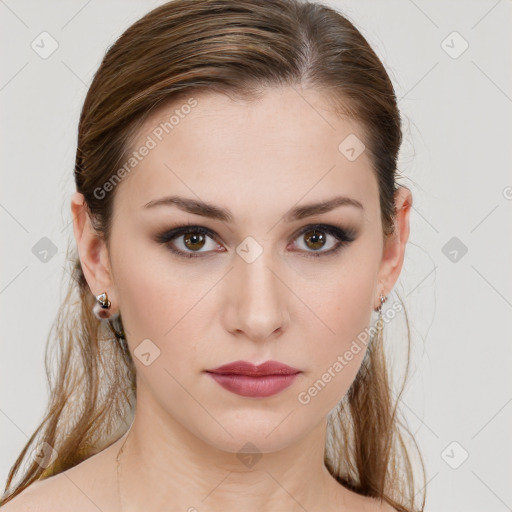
246	379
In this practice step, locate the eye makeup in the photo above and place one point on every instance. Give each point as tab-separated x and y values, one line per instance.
341	236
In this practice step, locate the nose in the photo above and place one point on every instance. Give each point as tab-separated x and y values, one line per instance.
257	306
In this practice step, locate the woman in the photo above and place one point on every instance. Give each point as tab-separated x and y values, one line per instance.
238	226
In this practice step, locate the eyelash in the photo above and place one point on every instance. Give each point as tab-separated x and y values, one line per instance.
344	237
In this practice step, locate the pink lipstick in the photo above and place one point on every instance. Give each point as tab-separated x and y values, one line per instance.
247	379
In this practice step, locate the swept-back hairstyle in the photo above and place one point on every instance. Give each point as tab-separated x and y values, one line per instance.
240	48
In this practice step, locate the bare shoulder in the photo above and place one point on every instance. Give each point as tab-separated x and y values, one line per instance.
55	494
83	488
39	496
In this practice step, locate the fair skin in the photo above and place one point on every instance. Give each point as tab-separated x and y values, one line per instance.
259	160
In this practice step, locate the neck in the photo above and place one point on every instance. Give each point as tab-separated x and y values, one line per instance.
163	466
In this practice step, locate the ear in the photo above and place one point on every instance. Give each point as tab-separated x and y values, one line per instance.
394	246
92	250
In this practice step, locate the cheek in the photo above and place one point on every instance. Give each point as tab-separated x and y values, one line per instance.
345	308
144	298
344	303
162	302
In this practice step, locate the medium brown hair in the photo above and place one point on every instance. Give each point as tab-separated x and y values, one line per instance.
237	47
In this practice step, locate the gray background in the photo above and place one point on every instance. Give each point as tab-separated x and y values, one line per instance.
456	157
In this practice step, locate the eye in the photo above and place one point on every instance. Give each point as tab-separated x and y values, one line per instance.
316	237
189	241
190	238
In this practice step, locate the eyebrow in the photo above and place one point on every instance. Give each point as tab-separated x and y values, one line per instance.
215	212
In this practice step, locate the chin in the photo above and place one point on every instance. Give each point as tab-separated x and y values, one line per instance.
249	435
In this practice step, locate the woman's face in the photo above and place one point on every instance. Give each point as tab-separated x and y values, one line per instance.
258	284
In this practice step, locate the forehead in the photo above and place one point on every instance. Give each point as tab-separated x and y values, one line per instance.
270	151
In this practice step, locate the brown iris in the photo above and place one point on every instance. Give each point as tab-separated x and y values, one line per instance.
194	240
317	239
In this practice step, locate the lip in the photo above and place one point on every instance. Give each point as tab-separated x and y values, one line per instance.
258	381
252	370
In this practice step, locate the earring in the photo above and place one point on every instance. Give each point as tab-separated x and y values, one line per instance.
383	299
101	306
100	311
379	337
